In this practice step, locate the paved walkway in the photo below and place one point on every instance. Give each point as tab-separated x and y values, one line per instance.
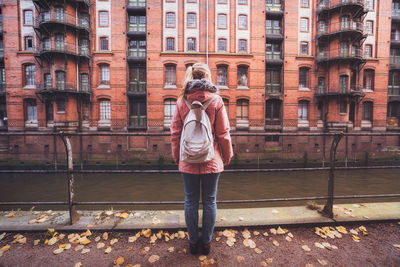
173	219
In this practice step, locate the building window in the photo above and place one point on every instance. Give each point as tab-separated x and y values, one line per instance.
60	105
242	72
343	106
31	110
242	22
393	110
370	4
60	80
28	43
137	79
47	81
369	79
103	18
304	24
273	110
344	22
222	45
221	1
322	27
304	48
226	105
321	85
105	109
170	44
222	75
170	75
170	18
303	77
273	81
28	17
242	2
242	109
243	46
367	111
85	82
169	109
103	43
305	3
59	40
104	74
222	21
30	75
368	50
46	44
343	83
344	49
369	25
273	26
191	20
137	113
49	111
59	13
303	110
273	51
394	83
191	44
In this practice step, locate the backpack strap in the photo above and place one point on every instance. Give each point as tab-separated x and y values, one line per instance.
206	104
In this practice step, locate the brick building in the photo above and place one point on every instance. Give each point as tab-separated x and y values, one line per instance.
117	65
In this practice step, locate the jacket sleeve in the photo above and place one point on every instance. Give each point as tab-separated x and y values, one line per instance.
176	130
222	133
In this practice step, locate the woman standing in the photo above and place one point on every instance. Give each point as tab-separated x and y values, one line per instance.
196	86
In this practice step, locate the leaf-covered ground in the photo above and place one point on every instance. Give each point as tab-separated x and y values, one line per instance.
337	245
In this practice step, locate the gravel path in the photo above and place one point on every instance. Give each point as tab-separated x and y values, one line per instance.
246	248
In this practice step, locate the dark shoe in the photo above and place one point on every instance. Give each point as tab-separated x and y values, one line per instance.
194	248
205	248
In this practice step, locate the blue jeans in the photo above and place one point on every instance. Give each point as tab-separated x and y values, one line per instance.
209	184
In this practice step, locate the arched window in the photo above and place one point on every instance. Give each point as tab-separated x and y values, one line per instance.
30	113
169	109
343	83
304	77
105	109
226	105
60	80
369	79
272	110
367	111
30	75
242	113
170	75
303	110
104	74
222	75
242	76
344	23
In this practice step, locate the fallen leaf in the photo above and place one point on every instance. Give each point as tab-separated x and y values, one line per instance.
109	212
227	233
58	251
153	239
136	265
323	262
52	241
68	246
256	233
146	233
202	257
124	215
146	249
334	247
354	232
276	243
269	260
306	248
36	242
309	265
363	230
119	261
341	229
265	234
288	239
263	264
239	259
2	235
154	258
113	241
108	250
280	231
62	245
230	243
78	264
97	239
258	251
181	234
100	245
132	239
290	235
79	247
319	245
355	238
273	231
396	246
217	238
252	244
105	235
5	248
10	215
246	242
85	250
246	233
171	249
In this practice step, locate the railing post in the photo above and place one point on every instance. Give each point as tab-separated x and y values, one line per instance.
73	215
328	209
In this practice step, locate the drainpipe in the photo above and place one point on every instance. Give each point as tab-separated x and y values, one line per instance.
207	32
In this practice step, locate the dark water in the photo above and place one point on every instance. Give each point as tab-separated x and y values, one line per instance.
169	187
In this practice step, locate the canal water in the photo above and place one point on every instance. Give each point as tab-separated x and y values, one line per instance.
169	187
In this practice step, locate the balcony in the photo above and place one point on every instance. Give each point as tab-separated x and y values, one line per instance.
274	34
394	62
353	91
357	7
2	88
395	15
395	38
274	59
138	122
46	4
273	124
136	30
394	93
136	55
136	6
46	20
274	10
354	55
273	90
137	88
352	29
1	28
62	87
58	48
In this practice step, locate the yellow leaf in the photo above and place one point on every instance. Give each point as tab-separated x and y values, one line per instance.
269	260
288	239
52	241
319	245
5	248
85	242
146	249
246	233
181	234
78	264
79	247
58	251
265	234
36	242
68	246
108	250
239	259
276	243
356	238
85	250
124	215
258	251
113	241
256	233
10	215
290	235
97	239
171	249
153	239
273	231
263	264
100	245
146	233
105	235
132	239
62	245
119	261
246	242
306	248
252	244
323	262
202	257
341	229
227	233
280	231
154	258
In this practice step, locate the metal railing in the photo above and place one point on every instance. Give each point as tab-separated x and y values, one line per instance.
273	56
62	86
275	31
341	27
395	60
138	121
328	4
137	87
341	90
137	52
137	3
64	18
137	27
274	7
350	53
2	86
395	12
394	90
69	171
62	47
273	88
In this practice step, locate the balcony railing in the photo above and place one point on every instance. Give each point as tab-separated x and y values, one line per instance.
273	56
60	47
328	4
85	87
273	31
395	60
341	27
395	12
1	53
274	7
138	121
2	87
137	27
137	3
64	18
137	52
137	87
394	90
62	86
354	88
341	54
395	36
273	88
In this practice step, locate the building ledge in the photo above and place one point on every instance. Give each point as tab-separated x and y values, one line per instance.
25	52
103	52
305	57
210	54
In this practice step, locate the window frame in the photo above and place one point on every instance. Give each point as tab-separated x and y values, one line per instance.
240	27
25	41
239	79
369	74
225	74
195	20
194	43
30	102
108	19
369	31
169	105
302	5
242	41
219	21
24	12
166	43
100	43
301	48
370	115
170	73
166	20
104	109
219	46
242	111
33	73
306	85
303	110
370	49
103	74
271	106
308	24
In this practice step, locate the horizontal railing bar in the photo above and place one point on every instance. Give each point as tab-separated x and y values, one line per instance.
168	134
182	202
177	171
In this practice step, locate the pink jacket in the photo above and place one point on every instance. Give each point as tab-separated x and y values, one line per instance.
220	127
